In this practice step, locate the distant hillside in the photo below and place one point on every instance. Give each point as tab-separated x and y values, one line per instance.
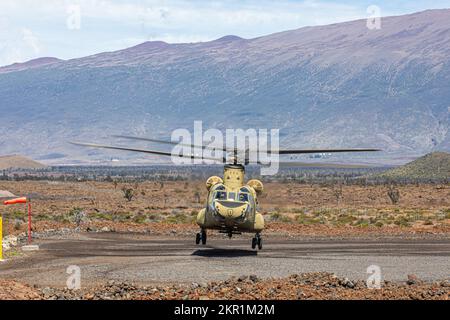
8	162
334	86
432	166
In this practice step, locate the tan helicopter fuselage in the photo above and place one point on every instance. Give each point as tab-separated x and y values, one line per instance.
232	204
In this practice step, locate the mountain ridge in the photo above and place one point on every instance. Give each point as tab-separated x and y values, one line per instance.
30	64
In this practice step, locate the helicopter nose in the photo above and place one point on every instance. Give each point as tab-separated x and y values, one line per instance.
230	209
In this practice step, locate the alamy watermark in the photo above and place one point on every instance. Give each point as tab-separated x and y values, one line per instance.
374	19
74	280
73	21
374	279
250	146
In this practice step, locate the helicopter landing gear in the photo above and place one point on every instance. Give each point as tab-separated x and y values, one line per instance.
257	241
198	238
201	236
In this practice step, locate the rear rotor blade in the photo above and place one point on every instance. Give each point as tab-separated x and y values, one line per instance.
322	165
309	151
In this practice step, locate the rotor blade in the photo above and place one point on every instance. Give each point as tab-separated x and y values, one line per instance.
99	146
301	151
288	164
296	164
308	151
171	143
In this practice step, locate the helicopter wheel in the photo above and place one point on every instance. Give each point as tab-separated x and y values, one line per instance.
198	237
254	243
257	241
203	237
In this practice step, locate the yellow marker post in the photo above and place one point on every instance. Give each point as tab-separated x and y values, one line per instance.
1	238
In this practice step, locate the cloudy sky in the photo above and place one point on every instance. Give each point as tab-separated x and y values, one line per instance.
74	28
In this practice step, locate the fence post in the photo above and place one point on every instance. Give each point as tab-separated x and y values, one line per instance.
29	221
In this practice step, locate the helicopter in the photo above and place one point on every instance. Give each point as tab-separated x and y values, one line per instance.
232	203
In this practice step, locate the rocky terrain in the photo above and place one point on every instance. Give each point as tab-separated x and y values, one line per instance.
310	286
13	290
390	223
340	85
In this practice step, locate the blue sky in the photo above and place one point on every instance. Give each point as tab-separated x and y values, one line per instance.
74	28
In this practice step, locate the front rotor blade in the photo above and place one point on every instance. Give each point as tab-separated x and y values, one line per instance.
172	143
162	153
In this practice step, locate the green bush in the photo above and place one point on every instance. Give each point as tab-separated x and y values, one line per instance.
402	222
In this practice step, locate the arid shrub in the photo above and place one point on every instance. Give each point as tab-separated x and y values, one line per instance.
337	192
17	225
394	194
78	216
197	197
128	193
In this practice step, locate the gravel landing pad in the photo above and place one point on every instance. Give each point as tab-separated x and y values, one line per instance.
149	260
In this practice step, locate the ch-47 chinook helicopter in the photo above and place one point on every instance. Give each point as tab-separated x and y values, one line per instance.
232	203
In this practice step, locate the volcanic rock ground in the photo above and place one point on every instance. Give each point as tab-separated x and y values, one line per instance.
318	248
153	260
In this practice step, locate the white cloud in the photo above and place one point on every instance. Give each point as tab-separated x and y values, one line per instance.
31	40
18	44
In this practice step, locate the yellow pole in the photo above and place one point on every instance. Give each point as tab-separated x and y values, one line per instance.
1	238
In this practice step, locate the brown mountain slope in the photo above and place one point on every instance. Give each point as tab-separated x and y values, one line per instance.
431	166
15	161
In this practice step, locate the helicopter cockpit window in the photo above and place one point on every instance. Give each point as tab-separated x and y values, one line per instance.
243	197
231	196
221	195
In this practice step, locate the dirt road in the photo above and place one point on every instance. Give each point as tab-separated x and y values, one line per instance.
145	259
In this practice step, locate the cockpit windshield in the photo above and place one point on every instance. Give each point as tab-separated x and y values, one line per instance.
243	195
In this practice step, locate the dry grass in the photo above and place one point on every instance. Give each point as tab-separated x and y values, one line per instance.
424	206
